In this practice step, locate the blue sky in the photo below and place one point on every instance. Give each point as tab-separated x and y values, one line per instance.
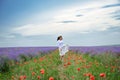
39	22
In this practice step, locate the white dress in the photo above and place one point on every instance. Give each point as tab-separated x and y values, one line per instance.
63	48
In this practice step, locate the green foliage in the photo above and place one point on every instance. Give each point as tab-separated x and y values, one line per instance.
4	64
108	64
24	57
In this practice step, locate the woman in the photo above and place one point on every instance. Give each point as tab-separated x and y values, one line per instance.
63	48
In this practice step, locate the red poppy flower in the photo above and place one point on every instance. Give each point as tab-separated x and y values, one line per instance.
88	74
25	76
35	60
33	73
68	63
78	69
102	74
21	78
73	77
38	77
42	71
65	65
51	78
92	77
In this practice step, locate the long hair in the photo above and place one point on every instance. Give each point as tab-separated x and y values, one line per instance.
58	38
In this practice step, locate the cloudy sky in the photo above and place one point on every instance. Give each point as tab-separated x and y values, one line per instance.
39	22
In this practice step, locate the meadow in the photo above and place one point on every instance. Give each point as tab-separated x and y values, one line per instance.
78	64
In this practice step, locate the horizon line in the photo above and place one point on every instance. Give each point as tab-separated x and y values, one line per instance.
57	46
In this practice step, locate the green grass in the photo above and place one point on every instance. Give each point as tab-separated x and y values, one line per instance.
66	69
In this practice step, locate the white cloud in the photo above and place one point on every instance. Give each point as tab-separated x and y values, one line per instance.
94	18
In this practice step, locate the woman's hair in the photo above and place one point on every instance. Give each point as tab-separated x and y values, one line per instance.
59	38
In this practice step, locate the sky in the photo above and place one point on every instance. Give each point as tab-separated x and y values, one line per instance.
40	22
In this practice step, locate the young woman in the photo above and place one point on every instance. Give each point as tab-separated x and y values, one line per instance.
63	48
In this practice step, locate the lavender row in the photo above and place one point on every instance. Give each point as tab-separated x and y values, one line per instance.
13	52
97	49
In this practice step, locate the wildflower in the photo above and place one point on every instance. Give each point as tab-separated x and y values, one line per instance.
21	78
38	77
87	66
65	65
51	78
25	76
113	67
41	59
92	77
35	60
88	74
68	63
33	73
42	71
73	77
78	69
102	74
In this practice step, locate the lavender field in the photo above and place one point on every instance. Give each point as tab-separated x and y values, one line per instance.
13	52
97	49
43	63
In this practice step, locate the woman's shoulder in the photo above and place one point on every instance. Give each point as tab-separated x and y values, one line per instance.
60	41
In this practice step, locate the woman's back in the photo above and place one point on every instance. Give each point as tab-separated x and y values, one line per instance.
60	43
